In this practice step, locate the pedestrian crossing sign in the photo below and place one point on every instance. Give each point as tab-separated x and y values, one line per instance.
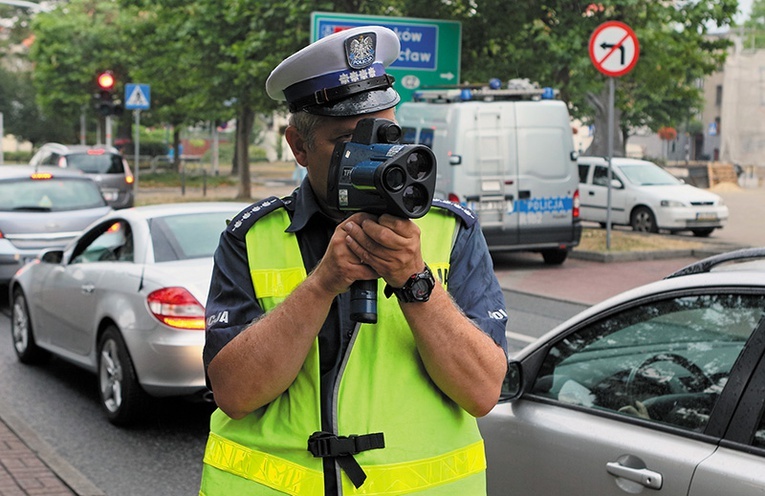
137	96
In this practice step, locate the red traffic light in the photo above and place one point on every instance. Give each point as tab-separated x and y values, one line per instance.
106	81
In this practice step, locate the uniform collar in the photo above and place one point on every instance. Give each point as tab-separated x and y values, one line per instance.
304	206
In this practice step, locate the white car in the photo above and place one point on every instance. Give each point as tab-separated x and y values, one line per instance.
125	300
646	197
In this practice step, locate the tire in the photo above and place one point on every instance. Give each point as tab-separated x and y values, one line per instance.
119	391
643	220
24	343
554	256
702	233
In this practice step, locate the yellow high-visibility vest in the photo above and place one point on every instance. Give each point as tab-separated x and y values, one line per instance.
432	446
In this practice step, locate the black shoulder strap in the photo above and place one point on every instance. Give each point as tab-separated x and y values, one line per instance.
244	220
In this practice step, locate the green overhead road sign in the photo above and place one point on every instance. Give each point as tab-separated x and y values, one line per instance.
430	48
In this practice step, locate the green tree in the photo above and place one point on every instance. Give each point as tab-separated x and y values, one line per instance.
754	26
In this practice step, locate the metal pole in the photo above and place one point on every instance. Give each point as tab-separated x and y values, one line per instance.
215	152
83	129
137	147
2	135
108	140
610	155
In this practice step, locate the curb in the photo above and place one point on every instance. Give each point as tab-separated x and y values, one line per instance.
634	256
63	470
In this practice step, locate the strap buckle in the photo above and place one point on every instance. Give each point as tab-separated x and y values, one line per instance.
325	444
342	449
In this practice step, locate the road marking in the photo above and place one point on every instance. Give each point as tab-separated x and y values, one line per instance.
520	337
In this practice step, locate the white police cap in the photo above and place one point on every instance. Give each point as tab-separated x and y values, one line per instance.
342	74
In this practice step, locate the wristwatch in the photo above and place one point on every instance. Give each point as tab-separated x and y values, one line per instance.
417	288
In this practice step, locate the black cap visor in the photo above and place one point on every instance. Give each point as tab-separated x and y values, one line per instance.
358	104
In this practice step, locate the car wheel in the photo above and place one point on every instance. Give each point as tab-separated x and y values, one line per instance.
702	233
643	220
554	256
24	343
121	395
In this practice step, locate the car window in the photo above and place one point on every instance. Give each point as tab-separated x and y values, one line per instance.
180	237
583	170
114	243
49	194
96	162
600	176
666	361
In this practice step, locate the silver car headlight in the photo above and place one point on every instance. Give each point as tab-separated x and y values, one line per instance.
672	203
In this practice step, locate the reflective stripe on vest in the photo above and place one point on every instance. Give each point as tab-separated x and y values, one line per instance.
399	478
266	469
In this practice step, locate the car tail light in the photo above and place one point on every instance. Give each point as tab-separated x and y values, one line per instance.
128	173
177	308
575	208
96	151
453	198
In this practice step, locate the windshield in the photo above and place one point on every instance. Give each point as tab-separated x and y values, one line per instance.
49	195
648	175
96	162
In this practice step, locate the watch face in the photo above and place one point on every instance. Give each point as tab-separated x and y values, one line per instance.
421	289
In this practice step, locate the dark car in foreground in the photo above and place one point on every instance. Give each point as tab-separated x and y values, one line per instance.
104	164
125	300
42	209
659	390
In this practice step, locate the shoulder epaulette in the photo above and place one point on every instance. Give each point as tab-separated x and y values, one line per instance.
244	220
465	214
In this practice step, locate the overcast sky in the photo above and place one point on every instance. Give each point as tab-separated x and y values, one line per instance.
744	6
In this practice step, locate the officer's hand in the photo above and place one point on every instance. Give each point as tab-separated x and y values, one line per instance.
340	266
388	244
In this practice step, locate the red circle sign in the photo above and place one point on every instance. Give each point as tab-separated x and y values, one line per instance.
614	48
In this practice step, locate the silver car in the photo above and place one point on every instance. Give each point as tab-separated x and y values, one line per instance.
658	390
42	209
104	164
125	300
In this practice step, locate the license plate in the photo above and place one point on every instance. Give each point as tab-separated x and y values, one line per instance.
706	216
487	205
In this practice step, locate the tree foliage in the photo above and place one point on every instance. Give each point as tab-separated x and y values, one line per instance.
208	60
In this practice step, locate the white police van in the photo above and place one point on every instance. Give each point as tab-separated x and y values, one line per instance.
507	154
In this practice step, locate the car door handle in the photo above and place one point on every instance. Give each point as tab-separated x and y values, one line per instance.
591	193
643	476
88	288
524	194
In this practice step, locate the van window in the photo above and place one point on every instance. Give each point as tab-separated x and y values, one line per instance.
426	137
409	135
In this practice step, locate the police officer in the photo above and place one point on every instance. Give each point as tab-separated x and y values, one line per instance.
311	402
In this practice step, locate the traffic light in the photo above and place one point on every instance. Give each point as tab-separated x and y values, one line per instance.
105	101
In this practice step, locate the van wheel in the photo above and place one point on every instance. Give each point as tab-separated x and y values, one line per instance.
702	233
643	220
121	395
554	257
24	343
